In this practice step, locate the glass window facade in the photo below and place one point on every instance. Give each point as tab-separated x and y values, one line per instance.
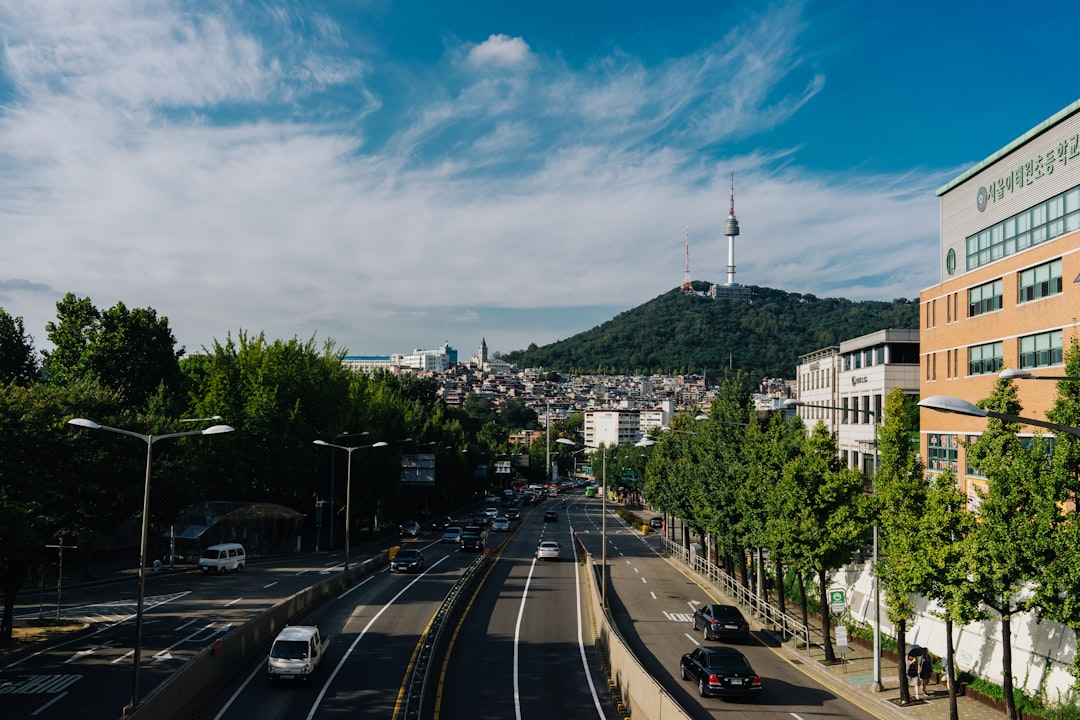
1046	221
942	451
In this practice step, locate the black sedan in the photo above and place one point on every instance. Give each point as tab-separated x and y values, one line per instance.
551	516
721	671
407	560
721	622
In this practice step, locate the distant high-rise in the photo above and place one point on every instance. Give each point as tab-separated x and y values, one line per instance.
731	230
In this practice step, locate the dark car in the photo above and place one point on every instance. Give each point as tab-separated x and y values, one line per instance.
481	519
551	516
472	539
407	560
656	522
721	622
513	514
721	671
410	529
441	522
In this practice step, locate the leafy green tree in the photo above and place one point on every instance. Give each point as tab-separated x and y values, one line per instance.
18	363
1014	538
829	515
899	499
516	415
132	351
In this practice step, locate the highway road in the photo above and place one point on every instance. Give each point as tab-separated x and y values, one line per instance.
652	602
90	675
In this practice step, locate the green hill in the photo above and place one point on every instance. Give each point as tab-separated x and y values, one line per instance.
680	333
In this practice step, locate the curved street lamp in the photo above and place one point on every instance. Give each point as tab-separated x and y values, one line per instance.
149	440
348	485
959	406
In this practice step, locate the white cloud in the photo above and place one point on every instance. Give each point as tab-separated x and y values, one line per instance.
501	51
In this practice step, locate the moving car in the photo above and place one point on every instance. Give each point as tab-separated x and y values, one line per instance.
441	522
407	560
472	538
452	534
500	524
410	528
720	671
492	512
223	558
513	514
551	516
548	550
297	652
721	622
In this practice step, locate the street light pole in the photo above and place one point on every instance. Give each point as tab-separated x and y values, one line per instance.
348	485
333	477
149	440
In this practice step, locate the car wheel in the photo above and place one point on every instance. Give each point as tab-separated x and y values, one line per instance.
682	672
705	633
702	687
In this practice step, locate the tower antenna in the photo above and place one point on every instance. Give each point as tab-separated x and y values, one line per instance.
731	229
687	287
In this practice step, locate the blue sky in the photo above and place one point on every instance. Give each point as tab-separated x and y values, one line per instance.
395	175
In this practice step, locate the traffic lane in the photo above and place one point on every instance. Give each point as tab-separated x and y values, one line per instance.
653	603
511	656
92	673
372	630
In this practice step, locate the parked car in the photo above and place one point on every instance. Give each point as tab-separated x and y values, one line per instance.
500	524
721	671
410	528
656	522
441	522
452	534
407	560
296	653
551	516
548	550
721	622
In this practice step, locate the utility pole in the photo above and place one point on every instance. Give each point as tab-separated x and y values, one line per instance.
60	571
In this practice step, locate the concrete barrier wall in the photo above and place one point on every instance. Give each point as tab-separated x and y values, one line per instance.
191	688
641	694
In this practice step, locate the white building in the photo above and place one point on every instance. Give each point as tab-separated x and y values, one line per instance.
612	427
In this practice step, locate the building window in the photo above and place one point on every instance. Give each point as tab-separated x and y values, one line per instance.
941	451
1041	350
985	359
1046	221
984	298
1040	281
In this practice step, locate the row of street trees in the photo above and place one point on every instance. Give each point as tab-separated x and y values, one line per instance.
745	481
122	368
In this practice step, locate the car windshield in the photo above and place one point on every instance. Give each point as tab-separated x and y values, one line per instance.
407	555
289	650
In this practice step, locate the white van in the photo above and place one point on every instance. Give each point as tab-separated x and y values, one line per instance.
223	558
297	652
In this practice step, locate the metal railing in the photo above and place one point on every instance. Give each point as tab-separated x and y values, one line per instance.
767	614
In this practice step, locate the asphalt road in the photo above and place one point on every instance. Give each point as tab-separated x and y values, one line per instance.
652	602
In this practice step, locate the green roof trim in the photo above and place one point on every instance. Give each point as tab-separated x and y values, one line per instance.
1037	130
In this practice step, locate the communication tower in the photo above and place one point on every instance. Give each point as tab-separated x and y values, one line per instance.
687	287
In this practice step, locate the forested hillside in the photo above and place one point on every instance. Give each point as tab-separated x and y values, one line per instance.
683	333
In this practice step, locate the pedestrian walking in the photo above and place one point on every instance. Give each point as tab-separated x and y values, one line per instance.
913	673
926	669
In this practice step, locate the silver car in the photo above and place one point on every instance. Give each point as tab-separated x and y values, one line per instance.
548	550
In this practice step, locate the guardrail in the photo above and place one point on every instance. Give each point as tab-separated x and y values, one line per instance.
766	612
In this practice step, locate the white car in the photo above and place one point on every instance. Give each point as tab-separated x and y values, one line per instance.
500	524
491	512
548	550
452	534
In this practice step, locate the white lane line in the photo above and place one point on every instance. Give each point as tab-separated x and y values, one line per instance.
270	585
233	602
360	584
653	594
517	639
692	639
644	581
189	622
580	635
341	663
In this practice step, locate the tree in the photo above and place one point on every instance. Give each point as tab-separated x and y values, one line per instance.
899	501
17	362
132	351
1012	542
829	514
